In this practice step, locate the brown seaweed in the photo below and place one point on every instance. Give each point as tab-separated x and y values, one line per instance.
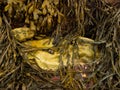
68	19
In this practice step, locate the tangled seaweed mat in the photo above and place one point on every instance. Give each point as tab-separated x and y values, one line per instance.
95	19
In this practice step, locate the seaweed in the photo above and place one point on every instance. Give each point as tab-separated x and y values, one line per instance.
65	21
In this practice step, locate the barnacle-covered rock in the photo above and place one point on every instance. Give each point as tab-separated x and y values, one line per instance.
51	61
22	33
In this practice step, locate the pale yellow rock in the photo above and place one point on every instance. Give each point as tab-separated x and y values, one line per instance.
48	61
22	33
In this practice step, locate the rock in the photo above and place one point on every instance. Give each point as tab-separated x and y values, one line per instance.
48	61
